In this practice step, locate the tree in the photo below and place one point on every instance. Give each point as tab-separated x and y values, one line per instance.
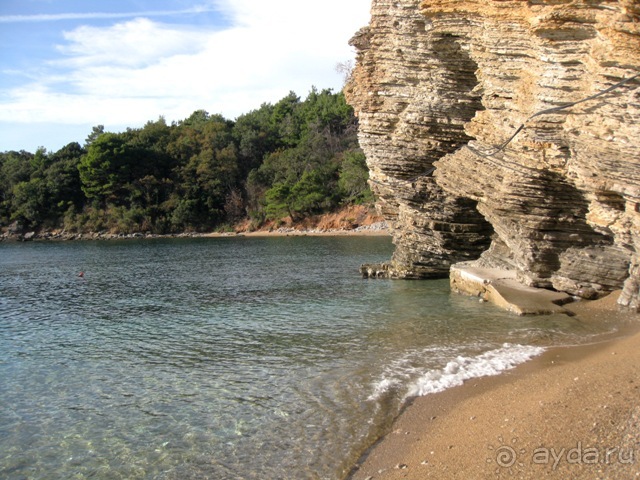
62	180
278	202
345	69
106	168
204	149
93	136
312	194
29	202
15	167
290	158
326	109
256	136
16	170
286	120
354	177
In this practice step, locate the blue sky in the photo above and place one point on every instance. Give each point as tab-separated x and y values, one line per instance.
67	65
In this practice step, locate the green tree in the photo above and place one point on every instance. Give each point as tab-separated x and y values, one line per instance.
286	119
38	189
93	136
15	167
152	176
312	193
256	136
106	168
62	181
354	177
291	158
208	170
279	202
327	110
29	202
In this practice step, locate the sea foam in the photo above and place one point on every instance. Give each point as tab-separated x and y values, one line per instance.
462	368
457	371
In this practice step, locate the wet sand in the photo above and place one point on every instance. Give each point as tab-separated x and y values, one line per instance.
573	412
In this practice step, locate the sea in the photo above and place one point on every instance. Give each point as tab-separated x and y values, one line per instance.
229	358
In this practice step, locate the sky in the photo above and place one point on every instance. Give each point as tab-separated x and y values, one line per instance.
69	65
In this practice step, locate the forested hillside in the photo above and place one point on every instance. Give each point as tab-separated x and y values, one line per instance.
294	158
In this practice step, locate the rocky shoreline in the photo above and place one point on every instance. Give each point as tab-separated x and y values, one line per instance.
375	228
351	220
71	236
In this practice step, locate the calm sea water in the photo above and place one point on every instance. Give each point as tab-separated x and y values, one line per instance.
227	358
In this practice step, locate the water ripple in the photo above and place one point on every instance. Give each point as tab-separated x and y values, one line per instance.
219	358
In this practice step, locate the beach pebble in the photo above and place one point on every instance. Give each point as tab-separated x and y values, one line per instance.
402	466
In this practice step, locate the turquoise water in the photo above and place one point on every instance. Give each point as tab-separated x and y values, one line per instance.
227	358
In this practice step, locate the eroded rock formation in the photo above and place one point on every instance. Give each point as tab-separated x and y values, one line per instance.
441	83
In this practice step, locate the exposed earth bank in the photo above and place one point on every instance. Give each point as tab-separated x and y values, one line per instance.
352	220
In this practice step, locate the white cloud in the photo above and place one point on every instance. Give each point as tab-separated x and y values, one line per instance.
135	43
134	71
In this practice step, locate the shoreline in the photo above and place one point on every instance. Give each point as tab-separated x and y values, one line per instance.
572	412
350	220
367	230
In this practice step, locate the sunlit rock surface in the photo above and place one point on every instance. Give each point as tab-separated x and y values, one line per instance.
443	82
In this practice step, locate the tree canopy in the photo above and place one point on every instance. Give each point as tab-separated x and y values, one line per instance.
294	158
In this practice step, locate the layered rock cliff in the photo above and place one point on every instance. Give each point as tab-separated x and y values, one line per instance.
439	85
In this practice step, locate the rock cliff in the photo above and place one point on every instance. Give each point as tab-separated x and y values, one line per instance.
440	85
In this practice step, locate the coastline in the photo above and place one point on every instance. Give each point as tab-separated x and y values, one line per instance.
354	220
572	412
367	230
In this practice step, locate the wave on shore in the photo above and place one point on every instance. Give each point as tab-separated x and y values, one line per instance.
454	373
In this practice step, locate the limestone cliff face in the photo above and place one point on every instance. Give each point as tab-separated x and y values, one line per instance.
440	83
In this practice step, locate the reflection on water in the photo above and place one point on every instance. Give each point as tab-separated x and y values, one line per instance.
221	358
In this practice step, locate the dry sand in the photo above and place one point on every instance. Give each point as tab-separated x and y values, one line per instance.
572	413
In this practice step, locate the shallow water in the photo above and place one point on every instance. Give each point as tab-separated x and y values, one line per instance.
227	358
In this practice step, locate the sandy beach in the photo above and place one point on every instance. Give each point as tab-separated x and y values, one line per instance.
573	412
